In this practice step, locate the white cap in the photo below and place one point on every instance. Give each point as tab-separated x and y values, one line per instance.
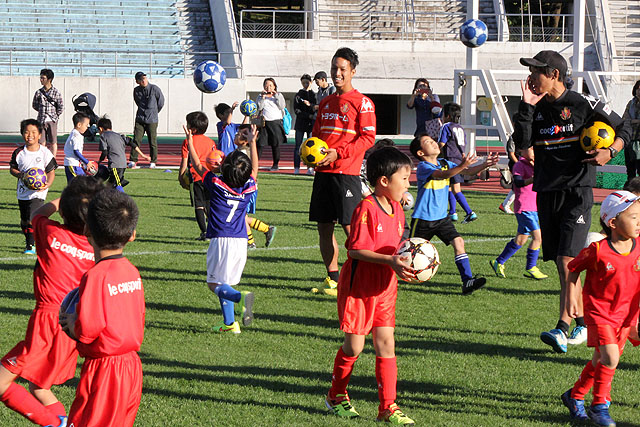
615	203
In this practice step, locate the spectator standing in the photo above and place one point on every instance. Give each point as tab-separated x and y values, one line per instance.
632	150
303	105
149	99
47	101
271	105
421	99
324	88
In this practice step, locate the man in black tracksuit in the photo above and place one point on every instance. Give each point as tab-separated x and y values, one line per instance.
550	118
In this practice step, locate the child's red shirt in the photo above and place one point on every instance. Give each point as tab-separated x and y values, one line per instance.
611	293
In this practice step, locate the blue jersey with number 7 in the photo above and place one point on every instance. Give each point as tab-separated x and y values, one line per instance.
228	207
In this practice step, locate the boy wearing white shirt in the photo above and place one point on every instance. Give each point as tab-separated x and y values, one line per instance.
74	161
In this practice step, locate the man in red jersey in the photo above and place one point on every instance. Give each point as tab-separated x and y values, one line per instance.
347	123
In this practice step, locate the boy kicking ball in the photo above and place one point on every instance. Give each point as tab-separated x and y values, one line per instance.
230	194
367	286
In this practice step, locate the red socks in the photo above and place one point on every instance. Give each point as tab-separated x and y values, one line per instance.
387	377
602	383
57	409
584	383
23	402
342	368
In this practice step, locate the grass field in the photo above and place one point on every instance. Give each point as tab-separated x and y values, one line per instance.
463	361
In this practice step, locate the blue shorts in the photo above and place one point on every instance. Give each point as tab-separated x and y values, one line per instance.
527	222
253	200
72	172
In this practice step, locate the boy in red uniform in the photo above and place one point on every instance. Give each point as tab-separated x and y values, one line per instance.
611	298
109	319
367	287
347	123
47	356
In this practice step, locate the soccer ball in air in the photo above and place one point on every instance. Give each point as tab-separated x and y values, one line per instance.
312	151
423	258
92	168
35	178
473	33
214	160
597	135
209	76
248	107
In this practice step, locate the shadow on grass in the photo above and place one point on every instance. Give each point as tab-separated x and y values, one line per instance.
17	267
17	295
16	311
181	308
176	328
281	260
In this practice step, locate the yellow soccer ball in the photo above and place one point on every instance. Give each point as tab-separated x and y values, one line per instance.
312	151
597	135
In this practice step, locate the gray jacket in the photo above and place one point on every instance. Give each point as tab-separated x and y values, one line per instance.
149	101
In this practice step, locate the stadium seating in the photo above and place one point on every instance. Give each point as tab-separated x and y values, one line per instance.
625	20
89	37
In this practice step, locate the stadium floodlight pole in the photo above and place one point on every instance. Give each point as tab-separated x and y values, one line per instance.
469	90
577	62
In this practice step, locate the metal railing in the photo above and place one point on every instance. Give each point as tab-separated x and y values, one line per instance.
400	25
115	63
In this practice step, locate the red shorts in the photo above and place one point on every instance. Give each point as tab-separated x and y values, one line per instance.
598	335
358	315
108	393
47	355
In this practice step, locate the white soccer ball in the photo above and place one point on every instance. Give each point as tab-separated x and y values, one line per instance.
473	33
594	237
423	258
409	203
209	76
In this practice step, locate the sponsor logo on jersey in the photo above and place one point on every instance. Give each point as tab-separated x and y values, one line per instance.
12	361
363	218
71	250
580	220
636	267
539	117
565	114
400	229
326	106
335	116
344	108
125	287
367	106
555	129
348	194
369	128
379	228
610	267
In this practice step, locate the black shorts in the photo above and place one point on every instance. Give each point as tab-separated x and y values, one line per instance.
565	219
443	228
27	207
116	176
456	179
200	195
334	197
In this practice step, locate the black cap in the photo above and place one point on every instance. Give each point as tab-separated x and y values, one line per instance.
320	75
140	75
547	58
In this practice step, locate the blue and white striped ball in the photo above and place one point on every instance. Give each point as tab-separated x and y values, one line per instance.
473	33
209	77
248	107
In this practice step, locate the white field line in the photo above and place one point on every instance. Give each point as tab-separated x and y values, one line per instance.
272	249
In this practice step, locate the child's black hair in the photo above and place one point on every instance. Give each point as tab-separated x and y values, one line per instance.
605	228
305	77
453	111
381	143
29	122
414	146
78	117
222	110
385	162
112	218
74	201
47	73
105	123
348	54
236	169
198	121
633	185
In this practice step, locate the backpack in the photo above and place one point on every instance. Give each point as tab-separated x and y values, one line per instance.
286	121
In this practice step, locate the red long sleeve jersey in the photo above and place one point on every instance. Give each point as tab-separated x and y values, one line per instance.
111	309
346	123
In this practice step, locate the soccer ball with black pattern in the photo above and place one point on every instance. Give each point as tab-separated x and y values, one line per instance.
248	107
423	258
209	77
597	135
35	178
473	33
69	303
313	151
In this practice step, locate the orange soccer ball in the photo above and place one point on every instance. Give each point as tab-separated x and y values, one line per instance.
214	160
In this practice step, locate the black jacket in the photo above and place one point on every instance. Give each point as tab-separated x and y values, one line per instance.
304	113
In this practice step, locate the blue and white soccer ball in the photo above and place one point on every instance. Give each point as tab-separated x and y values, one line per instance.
473	33
248	107
209	76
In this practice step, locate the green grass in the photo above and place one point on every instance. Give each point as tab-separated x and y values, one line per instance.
463	361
